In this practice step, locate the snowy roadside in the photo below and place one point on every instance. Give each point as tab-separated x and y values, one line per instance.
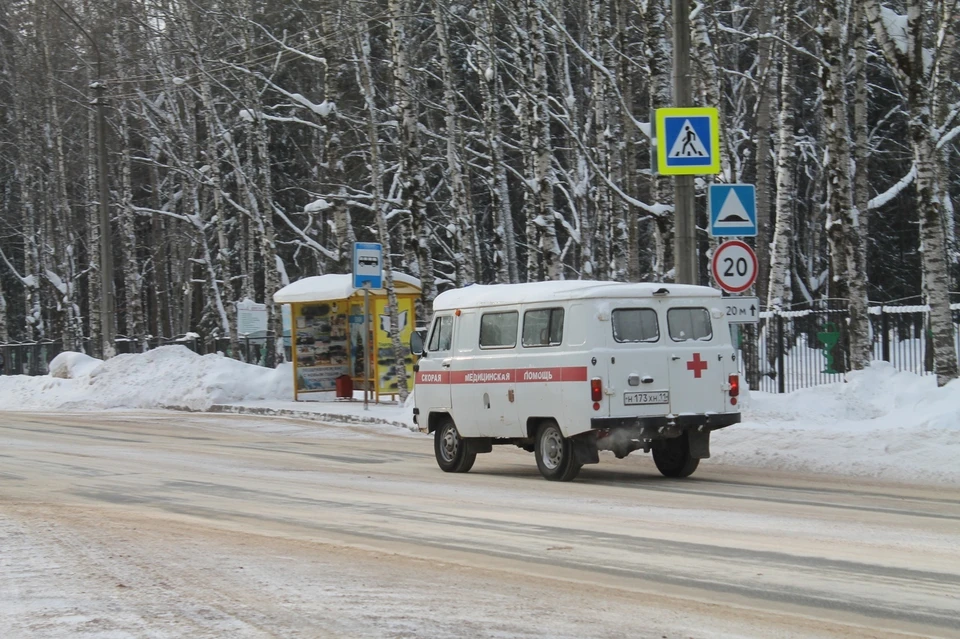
882	423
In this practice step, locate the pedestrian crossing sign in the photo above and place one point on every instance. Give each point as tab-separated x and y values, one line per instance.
688	141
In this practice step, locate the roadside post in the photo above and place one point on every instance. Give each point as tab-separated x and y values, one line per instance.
367	274
688	144
732	213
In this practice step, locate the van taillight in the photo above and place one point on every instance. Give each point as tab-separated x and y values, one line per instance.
734	385
596	389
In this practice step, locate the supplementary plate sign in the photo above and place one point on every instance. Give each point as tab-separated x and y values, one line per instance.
742	310
688	141
733	210
734	266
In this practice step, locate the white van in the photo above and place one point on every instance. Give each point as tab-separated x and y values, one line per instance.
566	369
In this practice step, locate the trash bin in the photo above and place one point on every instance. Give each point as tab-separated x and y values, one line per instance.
345	387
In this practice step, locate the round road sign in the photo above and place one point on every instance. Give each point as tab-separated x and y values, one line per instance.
735	266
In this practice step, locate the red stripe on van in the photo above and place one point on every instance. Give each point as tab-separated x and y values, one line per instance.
574	373
506	375
484	376
434	377
558	374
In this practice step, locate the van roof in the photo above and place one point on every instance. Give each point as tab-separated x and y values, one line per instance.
494	294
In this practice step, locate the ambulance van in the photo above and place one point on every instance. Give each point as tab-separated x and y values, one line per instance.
567	369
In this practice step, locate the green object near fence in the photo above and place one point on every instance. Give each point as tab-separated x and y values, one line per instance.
829	335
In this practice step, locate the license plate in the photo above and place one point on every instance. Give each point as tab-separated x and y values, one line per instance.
646	397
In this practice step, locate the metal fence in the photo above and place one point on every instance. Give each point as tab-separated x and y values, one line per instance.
803	347
33	358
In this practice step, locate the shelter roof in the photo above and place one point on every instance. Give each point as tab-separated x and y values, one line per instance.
337	286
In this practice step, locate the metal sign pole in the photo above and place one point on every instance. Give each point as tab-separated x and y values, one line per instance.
366	341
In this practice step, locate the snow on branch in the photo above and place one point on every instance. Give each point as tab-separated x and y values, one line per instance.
894	190
643	127
307	240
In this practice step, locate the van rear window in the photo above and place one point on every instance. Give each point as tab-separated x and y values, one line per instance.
689	324
635	325
543	327
499	330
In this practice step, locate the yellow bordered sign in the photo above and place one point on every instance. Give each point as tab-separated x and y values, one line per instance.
688	141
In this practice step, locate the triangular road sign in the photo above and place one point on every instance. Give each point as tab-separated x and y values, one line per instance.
688	144
732	212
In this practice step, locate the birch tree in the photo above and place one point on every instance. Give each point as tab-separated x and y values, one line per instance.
843	230
909	48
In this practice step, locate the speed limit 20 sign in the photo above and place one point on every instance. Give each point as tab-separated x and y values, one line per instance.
735	266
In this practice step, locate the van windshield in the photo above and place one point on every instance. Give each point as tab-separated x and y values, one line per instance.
635	325
689	324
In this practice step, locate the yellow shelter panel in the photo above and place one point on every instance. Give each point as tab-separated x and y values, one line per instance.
387	379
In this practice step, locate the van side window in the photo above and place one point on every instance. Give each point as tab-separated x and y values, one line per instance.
442	335
499	330
635	325
543	327
689	324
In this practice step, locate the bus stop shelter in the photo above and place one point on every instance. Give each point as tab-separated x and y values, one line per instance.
326	333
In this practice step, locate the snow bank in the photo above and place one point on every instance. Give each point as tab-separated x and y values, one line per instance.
168	377
881	423
73	365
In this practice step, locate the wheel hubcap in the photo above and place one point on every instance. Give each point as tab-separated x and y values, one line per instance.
552	447
449	443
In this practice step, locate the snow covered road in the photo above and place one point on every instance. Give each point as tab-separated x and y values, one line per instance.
169	525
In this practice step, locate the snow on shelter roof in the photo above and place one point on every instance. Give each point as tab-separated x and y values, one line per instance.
336	286
479	295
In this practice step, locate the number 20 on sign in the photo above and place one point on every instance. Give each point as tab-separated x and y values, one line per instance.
734	266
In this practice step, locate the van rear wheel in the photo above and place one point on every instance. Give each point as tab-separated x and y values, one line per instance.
672	457
554	452
451	450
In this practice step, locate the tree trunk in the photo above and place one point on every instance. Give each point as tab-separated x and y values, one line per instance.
766	94
413	188
661	187
843	233
910	69
376	177
778	287
504	244
466	251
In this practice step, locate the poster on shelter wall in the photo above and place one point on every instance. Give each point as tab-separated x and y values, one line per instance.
357	342
322	348
386	361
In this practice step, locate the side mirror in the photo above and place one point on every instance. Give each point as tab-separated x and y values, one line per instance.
416	342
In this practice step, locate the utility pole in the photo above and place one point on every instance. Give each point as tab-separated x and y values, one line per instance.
685	223
107	301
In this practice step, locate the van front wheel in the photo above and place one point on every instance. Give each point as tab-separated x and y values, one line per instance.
554	452
451	450
672	457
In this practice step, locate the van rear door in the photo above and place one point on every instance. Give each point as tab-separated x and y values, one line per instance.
638	373
699	351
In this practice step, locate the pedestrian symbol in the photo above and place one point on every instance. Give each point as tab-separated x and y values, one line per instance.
733	210
688	145
688	141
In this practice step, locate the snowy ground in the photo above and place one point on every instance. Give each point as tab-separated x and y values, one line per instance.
881	423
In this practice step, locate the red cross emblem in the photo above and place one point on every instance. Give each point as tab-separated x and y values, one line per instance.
697	365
